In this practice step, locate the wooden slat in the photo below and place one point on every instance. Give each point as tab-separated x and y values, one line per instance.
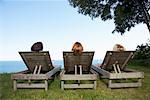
130	70
78	85
75	68
79	77
114	67
25	85
106	60
121	85
126	75
15	85
62	73
46	85
94	72
62	85
80	69
118	68
95	84
39	70
53	71
130	55
104	73
23	72
29	76
35	69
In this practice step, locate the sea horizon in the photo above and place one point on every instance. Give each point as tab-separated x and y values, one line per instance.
12	66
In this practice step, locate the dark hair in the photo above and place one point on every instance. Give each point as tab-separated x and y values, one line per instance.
38	46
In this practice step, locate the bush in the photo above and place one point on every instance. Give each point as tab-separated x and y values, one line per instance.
144	62
142	54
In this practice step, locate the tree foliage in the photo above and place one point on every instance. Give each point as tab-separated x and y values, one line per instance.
143	51
125	13
142	54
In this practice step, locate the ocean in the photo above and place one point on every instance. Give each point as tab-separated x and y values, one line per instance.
16	66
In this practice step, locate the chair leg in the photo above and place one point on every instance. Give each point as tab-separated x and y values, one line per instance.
109	83
15	85
95	85
62	85
46	85
140	81
29	81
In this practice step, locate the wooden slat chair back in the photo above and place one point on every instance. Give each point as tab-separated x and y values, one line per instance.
116	58
71	60
37	61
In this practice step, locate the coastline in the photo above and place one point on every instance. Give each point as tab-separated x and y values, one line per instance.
16	66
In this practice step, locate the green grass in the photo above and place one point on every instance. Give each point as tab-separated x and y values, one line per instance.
55	93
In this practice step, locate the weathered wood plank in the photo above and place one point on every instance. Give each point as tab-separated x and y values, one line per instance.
130	55
39	70
26	85
121	85
80	70
62	85
35	69
118	68
62	73
79	86
94	72
75	68
95	84
46	85
114	67
29	76
126	75
15	85
79	77
23	72
53	71
101	71
130	70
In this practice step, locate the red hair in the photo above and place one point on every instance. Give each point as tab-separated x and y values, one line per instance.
77	48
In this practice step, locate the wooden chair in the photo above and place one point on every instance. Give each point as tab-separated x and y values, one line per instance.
40	70
77	69
114	68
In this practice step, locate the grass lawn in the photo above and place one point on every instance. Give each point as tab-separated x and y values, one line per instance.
55	93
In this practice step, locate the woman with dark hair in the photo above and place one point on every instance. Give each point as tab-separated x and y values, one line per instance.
38	46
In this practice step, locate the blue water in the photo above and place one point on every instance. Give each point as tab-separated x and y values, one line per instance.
16	66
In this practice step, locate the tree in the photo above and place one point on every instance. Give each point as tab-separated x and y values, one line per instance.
125	13
142	54
143	51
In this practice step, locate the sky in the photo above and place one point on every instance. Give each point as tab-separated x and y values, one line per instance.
58	26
